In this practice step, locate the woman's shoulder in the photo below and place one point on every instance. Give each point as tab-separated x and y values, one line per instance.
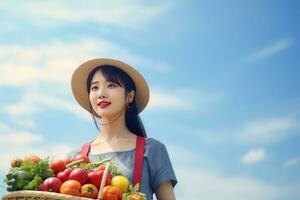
153	146
152	142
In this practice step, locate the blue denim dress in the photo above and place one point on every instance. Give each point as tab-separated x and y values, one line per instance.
157	167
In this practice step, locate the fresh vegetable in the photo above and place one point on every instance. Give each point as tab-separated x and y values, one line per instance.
71	187
35	184
41	169
83	157
64	175
89	191
28	175
16	162
80	175
95	177
111	193
51	184
120	182
32	158
17	179
58	166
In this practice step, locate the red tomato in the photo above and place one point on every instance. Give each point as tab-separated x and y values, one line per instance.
67	161
70	187
64	175
83	157
89	191
95	177
79	174
51	184
112	193
58	166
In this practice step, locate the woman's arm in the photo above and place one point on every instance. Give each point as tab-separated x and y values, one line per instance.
165	192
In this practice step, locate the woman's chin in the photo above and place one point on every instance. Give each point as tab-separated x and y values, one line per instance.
106	115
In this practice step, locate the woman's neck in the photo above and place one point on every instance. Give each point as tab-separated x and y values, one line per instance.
114	131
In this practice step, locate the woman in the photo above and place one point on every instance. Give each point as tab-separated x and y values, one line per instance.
115	93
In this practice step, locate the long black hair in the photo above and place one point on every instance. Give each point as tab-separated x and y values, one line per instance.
118	76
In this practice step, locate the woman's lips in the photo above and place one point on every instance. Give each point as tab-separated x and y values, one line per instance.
104	105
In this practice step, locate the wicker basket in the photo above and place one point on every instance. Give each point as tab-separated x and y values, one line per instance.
39	195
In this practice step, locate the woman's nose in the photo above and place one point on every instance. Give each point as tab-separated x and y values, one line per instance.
102	94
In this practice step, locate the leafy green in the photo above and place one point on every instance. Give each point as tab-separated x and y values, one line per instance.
28	176
35	184
42	169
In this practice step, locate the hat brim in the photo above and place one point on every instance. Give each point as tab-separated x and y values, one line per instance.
79	82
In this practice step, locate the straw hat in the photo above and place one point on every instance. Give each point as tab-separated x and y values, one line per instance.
80	75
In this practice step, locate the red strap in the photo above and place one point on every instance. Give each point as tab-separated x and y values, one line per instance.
138	162
85	149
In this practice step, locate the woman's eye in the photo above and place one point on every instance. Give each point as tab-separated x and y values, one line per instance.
111	85
94	87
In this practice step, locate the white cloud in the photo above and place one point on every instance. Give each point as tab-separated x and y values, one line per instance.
22	137
25	122
262	131
182	99
56	61
131	14
291	162
11	137
200	184
254	156
37	101
271	50
195	182
266	131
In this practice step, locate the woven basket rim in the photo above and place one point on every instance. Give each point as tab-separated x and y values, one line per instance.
41	195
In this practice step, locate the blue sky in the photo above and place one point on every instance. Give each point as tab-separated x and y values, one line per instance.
224	80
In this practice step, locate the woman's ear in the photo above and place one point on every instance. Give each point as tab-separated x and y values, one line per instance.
130	96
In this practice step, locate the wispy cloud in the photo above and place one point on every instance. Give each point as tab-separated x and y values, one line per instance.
270	50
254	155
131	14
23	122
12	137
57	60
266	131
291	162
182	99
252	132
36	101
212	184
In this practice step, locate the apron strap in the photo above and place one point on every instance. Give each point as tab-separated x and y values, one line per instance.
85	149
138	161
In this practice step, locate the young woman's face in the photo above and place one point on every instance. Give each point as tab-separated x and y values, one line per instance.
106	91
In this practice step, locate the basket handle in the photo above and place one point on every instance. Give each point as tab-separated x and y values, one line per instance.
105	174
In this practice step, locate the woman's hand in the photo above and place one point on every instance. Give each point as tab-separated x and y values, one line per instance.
165	192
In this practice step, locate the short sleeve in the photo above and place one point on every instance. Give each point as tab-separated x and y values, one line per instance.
160	166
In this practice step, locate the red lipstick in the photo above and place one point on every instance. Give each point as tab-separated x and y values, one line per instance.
103	104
